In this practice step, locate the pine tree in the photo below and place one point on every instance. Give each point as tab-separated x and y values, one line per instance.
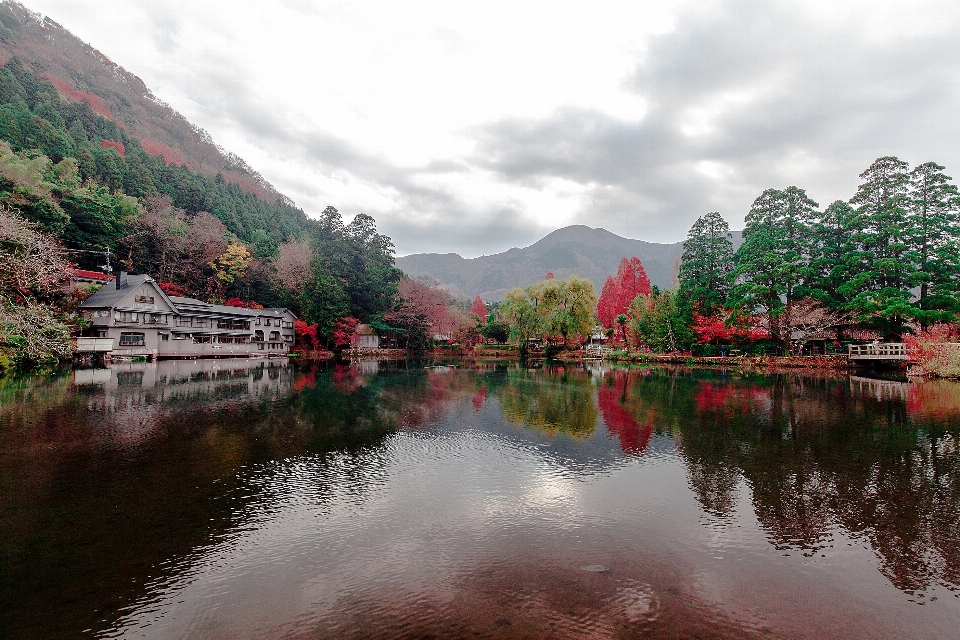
882	270
933	236
774	259
706	264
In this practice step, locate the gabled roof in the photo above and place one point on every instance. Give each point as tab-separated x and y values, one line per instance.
110	296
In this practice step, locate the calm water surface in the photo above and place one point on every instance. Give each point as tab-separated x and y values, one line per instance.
251	499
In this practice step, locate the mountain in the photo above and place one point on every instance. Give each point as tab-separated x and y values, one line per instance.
587	252
80	72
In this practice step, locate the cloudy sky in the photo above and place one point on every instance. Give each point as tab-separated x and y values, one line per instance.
475	127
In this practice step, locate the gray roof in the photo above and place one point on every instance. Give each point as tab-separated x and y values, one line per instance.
109	296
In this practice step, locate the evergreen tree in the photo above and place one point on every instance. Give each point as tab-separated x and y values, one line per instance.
774	260
933	235
832	255
881	269
706	264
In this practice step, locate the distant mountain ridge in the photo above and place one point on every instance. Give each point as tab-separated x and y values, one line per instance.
79	71
590	253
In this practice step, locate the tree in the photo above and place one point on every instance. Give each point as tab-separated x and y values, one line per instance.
478	309
566	307
934	238
32	268
879	288
421	308
520	312
833	256
773	261
656	322
293	264
706	264
620	290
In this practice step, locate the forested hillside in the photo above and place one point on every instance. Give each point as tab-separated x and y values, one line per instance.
80	72
86	184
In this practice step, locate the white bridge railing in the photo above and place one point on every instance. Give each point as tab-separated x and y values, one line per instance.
878	351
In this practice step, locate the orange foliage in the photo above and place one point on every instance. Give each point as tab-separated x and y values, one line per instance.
76	95
113	144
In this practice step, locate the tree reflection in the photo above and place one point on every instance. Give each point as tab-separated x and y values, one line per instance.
107	476
879	460
556	401
621	408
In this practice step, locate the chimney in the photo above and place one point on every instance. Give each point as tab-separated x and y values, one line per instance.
121	280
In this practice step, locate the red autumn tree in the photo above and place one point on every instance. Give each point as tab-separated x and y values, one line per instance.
306	333
344	332
607	304
479	309
236	302
549	276
110	144
172	289
619	291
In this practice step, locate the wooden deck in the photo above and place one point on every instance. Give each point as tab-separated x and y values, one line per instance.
889	351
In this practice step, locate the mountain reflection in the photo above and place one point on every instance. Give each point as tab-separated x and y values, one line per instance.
877	458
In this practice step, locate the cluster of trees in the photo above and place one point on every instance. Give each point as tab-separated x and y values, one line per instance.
92	190
887	260
551	309
886	263
32	270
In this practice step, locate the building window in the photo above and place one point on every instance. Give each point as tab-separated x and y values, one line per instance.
164	336
258	336
274	335
201	339
144	299
126	316
131	340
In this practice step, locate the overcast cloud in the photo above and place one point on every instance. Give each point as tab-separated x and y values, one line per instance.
475	127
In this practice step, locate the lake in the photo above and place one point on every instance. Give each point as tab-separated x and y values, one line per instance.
270	499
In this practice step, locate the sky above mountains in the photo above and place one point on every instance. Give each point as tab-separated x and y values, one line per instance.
475	127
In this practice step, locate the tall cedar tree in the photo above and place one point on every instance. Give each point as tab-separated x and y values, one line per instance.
882	277
773	262
706	264
833	255
934	250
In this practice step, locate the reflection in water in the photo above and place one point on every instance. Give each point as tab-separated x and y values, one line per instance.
249	499
556	400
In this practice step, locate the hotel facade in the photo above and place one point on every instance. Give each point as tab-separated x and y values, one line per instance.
133	317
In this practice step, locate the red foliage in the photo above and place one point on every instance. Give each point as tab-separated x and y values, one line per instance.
236	302
112	144
634	438
727	327
304	380
549	276
479	309
479	397
172	289
619	291
306	333
170	156
76	95
344	332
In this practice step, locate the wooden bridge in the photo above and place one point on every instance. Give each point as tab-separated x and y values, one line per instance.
878	351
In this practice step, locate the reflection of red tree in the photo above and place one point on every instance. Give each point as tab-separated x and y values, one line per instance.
304	380
634	438
346	378
479	397
711	397
714	397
